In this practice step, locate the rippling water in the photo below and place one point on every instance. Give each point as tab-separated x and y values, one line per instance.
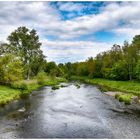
68	112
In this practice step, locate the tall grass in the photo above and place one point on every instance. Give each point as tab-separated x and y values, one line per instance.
110	85
22	89
128	88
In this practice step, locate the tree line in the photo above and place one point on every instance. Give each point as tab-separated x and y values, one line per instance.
119	63
21	57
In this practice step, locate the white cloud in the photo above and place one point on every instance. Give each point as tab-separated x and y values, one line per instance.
58	50
70	6
119	18
47	20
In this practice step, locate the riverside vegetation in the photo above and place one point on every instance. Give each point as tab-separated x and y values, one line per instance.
24	68
22	89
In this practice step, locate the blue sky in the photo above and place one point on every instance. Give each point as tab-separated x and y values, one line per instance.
73	31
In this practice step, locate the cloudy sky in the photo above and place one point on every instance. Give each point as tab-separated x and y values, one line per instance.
73	31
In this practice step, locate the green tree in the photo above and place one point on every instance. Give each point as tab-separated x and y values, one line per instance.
11	69
137	70
119	71
41	77
49	66
26	45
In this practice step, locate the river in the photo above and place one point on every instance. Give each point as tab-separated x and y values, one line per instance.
68	112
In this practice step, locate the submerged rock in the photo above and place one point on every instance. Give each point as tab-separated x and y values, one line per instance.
22	109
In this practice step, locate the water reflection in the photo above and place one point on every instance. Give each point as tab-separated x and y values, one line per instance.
68	112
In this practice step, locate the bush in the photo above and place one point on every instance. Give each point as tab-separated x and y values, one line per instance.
55	87
11	69
24	94
117	96
63	86
120	98
77	85
127	102
22	86
41	78
124	98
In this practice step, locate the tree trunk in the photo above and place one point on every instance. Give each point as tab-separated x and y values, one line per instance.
130	71
28	70
28	75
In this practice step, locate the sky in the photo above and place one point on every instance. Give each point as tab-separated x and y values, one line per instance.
73	31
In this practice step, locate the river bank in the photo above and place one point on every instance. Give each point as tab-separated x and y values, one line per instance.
14	92
124	91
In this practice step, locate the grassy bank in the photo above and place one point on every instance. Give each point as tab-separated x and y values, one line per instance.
7	94
129	88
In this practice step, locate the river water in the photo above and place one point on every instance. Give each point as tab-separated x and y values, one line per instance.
68	112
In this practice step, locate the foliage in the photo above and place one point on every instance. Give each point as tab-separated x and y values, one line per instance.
21	86
126	98
137	70
118	63
77	85
24	94
11	69
8	94
25	44
111	85
119	71
55	87
22	89
41	78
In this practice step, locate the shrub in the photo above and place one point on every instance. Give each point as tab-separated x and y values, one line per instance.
22	86
55	87
125	98
63	86
117	96
77	85
11	69
24	94
15	86
41	78
120	98
127	102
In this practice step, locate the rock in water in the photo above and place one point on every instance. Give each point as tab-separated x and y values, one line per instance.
22	109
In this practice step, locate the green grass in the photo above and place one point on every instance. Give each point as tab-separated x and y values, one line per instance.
8	94
110	85
128	88
126	98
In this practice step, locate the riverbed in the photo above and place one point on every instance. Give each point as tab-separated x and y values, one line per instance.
68	112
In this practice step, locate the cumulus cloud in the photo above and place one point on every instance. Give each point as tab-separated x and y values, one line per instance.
70	6
120	18
72	50
42	16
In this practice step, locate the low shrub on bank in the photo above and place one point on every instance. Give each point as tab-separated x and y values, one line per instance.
77	85
21	86
117	96
55	87
126	98
24	94
41	77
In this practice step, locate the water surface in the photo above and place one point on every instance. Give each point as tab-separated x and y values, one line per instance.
68	112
